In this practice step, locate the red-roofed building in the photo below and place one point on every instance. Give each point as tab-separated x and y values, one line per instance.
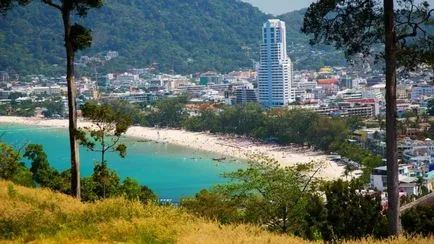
327	81
329	85
361	100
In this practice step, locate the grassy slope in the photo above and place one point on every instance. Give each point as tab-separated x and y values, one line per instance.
43	216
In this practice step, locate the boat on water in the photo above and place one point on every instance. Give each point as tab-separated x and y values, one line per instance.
219	159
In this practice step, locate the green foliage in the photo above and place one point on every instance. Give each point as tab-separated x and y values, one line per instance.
23	176
15	95
350	214
108	127
419	220
430	107
88	189
103	183
83	6
53	107
280	125
133	191
43	216
9	161
206	121
243	120
357	154
357	26
271	195
168	112
107	182
131	110
327	130
41	171
11	168
22	108
213	205
185	36
8	4
81	37
285	200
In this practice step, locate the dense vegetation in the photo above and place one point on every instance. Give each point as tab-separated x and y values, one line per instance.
282	126
39	215
184	36
419	220
52	106
290	200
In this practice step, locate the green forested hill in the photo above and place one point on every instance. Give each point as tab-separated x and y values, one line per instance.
181	35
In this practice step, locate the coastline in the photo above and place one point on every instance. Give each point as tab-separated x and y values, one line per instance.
230	146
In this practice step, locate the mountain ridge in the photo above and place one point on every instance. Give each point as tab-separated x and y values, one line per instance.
182	36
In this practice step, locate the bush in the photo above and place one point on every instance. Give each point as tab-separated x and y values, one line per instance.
419	220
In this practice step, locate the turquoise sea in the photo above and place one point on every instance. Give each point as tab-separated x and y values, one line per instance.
171	171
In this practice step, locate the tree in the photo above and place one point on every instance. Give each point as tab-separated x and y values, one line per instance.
430	107
419	220
134	191
169	112
15	95
108	127
9	161
107	181
53	107
77	38
23	176
271	195
349	213
42	173
356	26
131	110
11	168
103	136
213	205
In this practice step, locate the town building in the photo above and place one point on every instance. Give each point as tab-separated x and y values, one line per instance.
245	95
4	94
407	184
47	90
420	92
275	68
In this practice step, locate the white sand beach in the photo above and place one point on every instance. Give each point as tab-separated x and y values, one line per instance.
235	147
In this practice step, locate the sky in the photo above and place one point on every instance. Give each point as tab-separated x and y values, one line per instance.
279	6
283	6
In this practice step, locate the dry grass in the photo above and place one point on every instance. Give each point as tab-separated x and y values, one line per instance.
41	216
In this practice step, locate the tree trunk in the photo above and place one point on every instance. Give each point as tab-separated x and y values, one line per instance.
392	164
73	143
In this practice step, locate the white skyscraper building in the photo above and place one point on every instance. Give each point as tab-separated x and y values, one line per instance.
275	68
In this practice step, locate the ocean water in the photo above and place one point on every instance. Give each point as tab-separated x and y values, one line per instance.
169	170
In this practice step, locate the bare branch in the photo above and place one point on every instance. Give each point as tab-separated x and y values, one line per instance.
50	3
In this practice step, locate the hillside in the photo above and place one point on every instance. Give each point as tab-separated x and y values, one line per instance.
185	36
41	216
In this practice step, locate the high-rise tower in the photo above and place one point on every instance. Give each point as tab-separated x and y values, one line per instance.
275	68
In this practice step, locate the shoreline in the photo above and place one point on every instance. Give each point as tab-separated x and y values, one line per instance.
230	146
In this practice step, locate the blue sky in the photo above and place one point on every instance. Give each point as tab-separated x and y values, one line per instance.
284	6
279	6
